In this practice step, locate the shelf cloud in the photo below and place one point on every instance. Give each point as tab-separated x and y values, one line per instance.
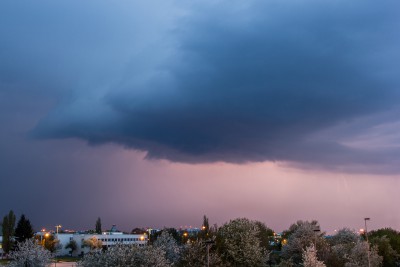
298	82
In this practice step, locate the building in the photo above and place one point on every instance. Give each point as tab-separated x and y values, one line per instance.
104	240
1	247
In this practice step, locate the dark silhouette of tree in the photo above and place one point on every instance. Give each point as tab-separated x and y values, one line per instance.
72	245
8	226
205	229
98	226
51	243
138	231
24	229
206	225
387	241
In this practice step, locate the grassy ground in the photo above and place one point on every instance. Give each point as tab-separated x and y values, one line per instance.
3	262
59	259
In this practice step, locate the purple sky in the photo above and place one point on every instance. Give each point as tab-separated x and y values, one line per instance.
156	113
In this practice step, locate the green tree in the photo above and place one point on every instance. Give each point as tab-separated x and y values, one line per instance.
265	235
238	244
51	243
389	255
205	229
301	235
387	241
93	243
206	225
8	226
72	246
24	229
341	245
98	226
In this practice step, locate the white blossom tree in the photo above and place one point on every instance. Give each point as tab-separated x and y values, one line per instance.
359	256
122	255
239	245
302	235
342	244
152	256
310	258
30	254
169	245
195	255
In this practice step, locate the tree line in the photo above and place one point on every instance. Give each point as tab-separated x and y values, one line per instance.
240	242
14	234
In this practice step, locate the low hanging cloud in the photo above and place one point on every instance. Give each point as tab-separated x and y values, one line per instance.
261	81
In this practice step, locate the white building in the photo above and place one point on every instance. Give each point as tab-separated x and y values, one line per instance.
1	247
107	239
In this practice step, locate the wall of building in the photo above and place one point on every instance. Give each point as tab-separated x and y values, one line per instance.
1	246
106	239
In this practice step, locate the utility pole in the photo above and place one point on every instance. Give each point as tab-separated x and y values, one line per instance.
209	243
316	231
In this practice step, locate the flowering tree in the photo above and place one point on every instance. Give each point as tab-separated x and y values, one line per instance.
195	255
310	258
169	245
302	235
122	255
360	253
239	245
342	244
151	256
30	254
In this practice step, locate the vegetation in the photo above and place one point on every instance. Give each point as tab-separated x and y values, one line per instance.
72	246
30	254
93	243
24	230
8	226
51	243
387	242
240	242
98	226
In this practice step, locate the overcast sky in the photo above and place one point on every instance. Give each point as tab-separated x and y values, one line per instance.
153	113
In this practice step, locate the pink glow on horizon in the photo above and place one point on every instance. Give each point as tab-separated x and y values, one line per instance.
179	194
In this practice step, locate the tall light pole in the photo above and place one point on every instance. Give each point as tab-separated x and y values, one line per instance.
57	227
41	236
366	235
209	243
316	231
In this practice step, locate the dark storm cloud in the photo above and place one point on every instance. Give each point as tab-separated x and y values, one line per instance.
235	82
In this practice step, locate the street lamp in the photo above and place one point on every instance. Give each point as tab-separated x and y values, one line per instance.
41	236
366	235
